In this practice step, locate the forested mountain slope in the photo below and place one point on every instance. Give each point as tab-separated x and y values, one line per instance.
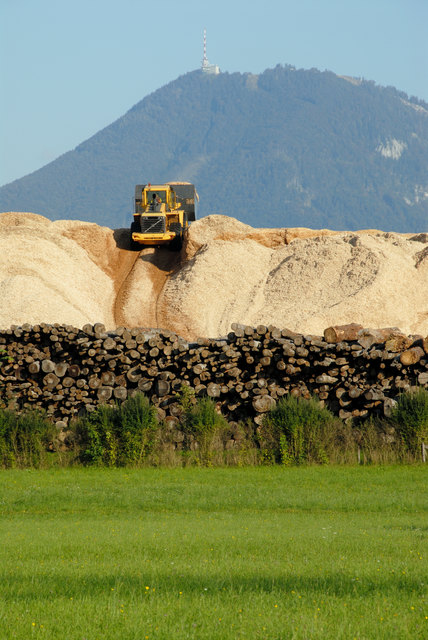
284	148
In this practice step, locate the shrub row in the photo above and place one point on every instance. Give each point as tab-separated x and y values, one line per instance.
295	431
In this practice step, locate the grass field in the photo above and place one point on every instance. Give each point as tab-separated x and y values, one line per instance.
264	552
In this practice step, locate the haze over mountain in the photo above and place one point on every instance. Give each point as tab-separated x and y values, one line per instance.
285	148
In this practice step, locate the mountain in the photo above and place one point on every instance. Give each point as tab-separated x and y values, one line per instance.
284	148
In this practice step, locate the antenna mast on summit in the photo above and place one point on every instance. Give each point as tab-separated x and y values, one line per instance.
206	66
205	59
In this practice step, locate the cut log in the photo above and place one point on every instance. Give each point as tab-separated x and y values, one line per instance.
213	390
368	337
145	384
34	367
324	378
109	344
354	392
339	333
61	369
263	403
104	394
234	372
238	329
290	370
94	382
162	388
50	380
134	374
198	368
411	356
373	394
48	366
99	328
108	378
200	390
120	393
398	342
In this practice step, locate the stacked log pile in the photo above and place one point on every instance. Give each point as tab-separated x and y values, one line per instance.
356	372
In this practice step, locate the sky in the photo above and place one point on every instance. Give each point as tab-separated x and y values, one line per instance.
69	69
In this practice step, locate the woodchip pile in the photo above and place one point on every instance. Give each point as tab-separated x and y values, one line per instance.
355	371
73	272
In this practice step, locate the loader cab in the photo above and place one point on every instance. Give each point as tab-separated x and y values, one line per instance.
152	196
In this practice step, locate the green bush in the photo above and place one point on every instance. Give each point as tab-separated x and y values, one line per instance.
118	435
205	430
297	430
203	417
410	419
24	439
200	416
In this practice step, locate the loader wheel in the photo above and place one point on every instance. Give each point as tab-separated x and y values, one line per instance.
177	243
134	246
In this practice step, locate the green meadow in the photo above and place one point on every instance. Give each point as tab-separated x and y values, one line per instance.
227	553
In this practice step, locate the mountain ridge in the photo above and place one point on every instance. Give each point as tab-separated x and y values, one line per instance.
285	147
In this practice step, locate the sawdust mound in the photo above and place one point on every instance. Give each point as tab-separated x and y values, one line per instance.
47	276
308	282
75	272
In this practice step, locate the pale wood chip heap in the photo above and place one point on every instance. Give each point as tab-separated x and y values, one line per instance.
76	272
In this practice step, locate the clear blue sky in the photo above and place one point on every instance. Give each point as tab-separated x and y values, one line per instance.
68	69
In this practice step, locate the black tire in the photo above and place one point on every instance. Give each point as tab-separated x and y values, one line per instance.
177	243
134	246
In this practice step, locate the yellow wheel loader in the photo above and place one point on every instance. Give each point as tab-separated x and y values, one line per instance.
162	214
